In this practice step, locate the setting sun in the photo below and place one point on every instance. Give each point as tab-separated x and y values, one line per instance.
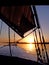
29	39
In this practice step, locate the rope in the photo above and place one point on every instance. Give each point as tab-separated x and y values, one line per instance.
1	28
45	46
43	54
35	47
14	37
38	25
38	50
9	40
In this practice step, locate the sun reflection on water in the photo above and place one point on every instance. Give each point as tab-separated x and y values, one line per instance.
29	48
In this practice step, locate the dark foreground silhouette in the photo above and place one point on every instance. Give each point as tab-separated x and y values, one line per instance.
16	61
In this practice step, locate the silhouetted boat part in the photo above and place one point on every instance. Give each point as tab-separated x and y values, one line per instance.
16	61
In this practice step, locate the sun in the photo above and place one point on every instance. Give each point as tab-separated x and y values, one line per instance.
29	39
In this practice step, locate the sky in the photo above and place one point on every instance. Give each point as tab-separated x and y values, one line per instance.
43	15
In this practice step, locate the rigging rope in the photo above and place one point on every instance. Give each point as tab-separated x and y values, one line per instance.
43	53
9	40
45	46
39	56
14	37
1	27
38	25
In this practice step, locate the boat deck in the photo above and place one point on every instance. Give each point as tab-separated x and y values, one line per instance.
16	61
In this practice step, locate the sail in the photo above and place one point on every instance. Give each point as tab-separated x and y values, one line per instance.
19	18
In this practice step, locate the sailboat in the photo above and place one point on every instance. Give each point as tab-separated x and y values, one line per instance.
22	19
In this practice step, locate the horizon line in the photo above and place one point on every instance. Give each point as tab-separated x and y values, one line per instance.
26	42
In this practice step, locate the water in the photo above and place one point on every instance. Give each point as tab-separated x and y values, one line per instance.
18	51
21	50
